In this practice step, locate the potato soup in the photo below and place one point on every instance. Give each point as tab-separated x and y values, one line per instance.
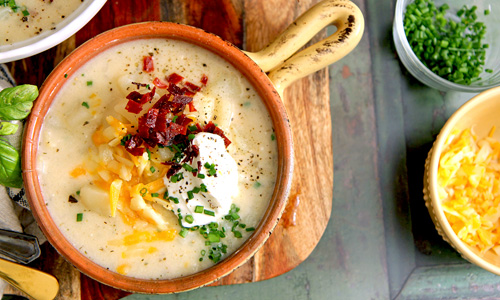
157	159
23	19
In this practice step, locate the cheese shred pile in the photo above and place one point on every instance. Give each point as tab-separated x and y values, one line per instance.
469	188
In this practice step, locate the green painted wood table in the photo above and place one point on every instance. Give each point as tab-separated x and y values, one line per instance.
380	242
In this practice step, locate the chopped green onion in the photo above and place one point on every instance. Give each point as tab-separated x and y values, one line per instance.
203	188
273	137
250	229
189	219
486	12
213	237
187	167
209	212
198	209
201	176
152	169
89	83
257	184
183	232
149	154
143	191
175	200
190	195
191	136
452	50
79	217
65	75
85	104
155	194
237	234
78	193
174	118
192	128
196	190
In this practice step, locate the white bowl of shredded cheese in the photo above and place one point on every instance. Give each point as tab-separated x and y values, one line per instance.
462	181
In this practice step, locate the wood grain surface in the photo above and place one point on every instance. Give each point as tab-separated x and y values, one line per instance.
249	24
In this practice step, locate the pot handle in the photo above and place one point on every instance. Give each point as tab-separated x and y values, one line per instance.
277	57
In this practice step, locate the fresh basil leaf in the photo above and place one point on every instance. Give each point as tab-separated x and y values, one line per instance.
7	128
10	166
16	102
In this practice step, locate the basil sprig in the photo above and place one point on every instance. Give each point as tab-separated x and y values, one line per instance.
15	104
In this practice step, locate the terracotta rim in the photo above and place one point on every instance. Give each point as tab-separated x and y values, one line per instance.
192	35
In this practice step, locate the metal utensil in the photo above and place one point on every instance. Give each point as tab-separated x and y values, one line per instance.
20	247
35	283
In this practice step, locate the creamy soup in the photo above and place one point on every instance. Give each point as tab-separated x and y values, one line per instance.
28	18
156	210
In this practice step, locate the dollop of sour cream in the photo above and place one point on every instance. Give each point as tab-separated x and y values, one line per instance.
216	189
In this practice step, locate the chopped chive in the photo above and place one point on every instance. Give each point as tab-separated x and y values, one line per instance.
191	136
209	212
192	128
190	195
26	13
207	165
257	184
203	188
165	195
452	50
85	104
143	191
273	137
174	119
203	252
78	193
201	176
198	209
65	75
250	229
175	200
183	232
89	83
79	217
152	169
486	12
124	140
189	219
187	167
237	234
213	237
155	194
149	154
196	190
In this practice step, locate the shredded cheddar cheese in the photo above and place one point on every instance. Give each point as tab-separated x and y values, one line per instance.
469	188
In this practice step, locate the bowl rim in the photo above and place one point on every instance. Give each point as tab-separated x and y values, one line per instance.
227	51
432	79
437	149
69	26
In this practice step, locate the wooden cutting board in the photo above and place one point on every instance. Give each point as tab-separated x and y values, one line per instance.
250	25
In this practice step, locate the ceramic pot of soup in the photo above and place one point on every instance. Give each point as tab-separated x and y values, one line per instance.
158	157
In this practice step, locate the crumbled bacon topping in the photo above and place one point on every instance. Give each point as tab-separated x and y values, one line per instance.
165	123
147	64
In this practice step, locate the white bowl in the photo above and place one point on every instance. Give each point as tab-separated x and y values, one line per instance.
48	39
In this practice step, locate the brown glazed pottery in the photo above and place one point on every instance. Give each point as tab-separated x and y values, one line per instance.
283	70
